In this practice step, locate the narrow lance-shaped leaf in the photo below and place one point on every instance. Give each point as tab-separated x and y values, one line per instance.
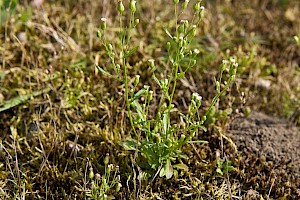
130	52
139	110
139	93
20	99
167	32
103	71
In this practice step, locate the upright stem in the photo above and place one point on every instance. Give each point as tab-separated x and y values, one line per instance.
173	76
125	76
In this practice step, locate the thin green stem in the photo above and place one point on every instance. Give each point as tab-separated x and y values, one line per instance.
125	75
215	99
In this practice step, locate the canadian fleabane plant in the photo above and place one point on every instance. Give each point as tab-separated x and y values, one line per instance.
157	137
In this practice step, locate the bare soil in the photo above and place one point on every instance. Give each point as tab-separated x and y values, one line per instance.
271	145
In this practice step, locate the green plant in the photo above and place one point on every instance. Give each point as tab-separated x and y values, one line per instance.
7	8
158	138
103	187
224	167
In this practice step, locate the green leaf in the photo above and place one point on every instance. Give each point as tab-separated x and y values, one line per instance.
183	117
180	75
157	81
139	109
130	52
10	4
6	3
181	166
167	32
20	99
129	144
103	71
162	172
169	169
139	93
203	128
181	155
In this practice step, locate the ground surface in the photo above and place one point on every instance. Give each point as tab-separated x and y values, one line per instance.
275	143
267	136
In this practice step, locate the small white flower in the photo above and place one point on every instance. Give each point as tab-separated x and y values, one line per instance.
103	19
236	64
151	60
225	62
196	51
232	60
111	166
202	8
197	96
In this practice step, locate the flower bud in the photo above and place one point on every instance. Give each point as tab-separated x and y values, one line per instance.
197	6
186	24
151	62
118	67
185	4
181	28
136	22
203	119
132	5
106	159
194	30
137	79
175	2
118	187
99	34
201	13
109	47
194	62
150	95
168	46
218	87
121	7
180	41
91	174
103	24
